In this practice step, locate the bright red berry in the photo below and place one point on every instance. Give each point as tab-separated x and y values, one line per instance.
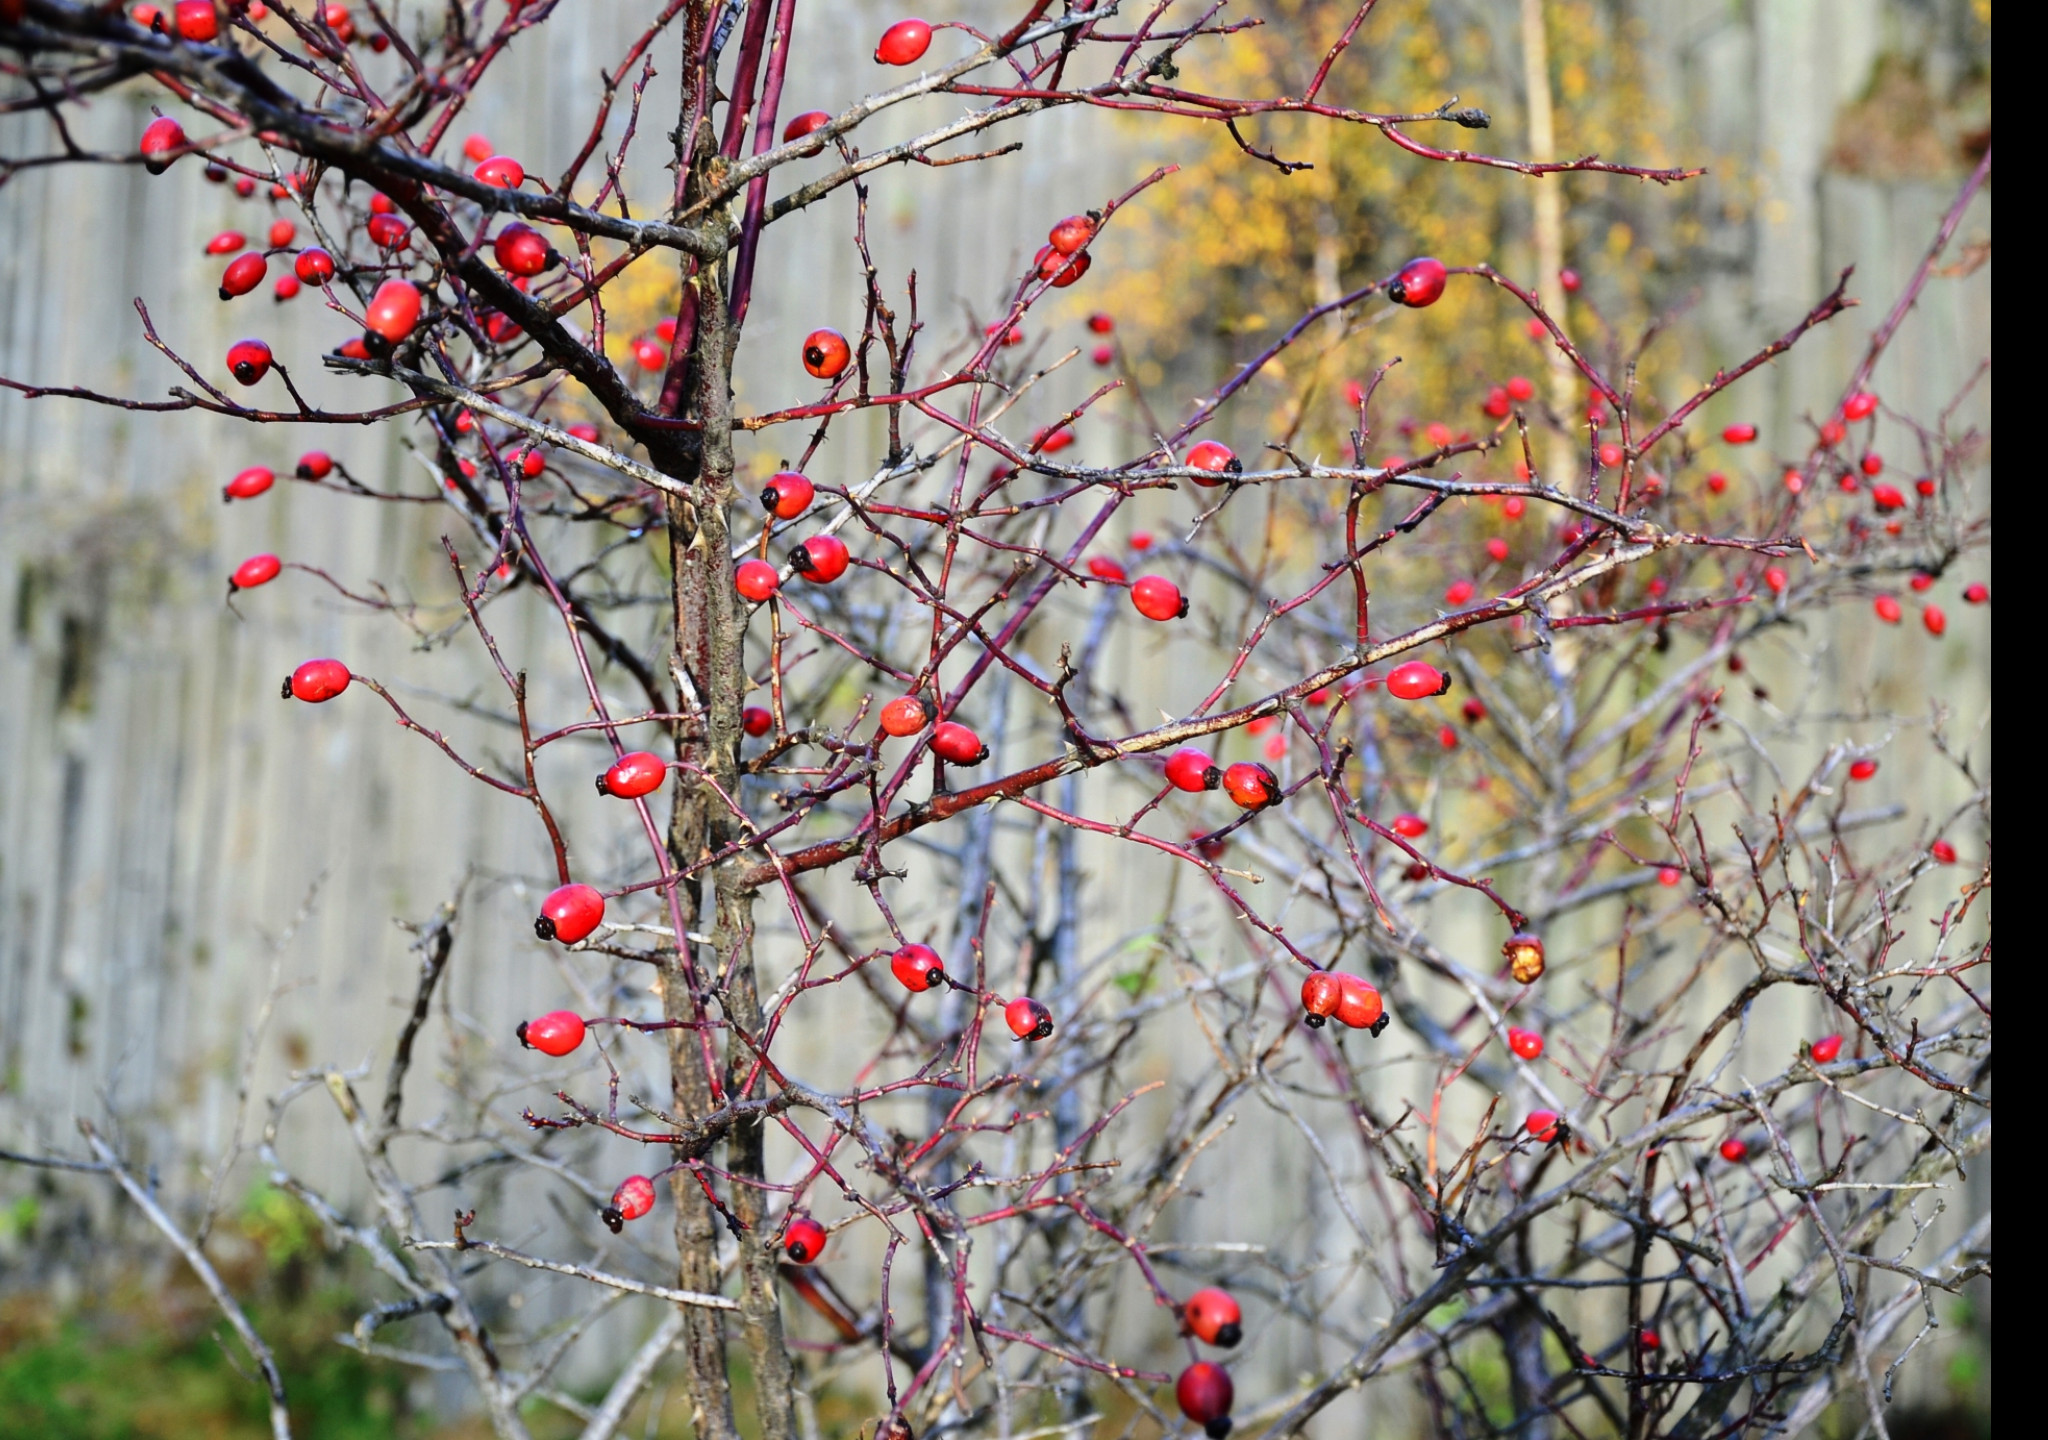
1525	1043
1192	770
903	43
1205	1393
1649	1340
477	148
1321	993
317	681
1825	1049
755	579
1833	433
1027	1018
1611	455
917	967
756	720
957	745
1358	1004
804	1240
523	250
906	715
162	138
1542	1124
226	243
314	265
1734	1151
1158	598
569	914
1977	593
1717	483
1569	278
256	570
248	361
282	233
787	495
1943	852
1858	405
1070	234
826	353
804	124
1213	1316
1104	568
1935	619
1862	769
1416	680
1252	786
1888	609
633	1198
650	354
1100	323
502	171
1410	826
1739	434
244	273
249	484
556	1033
1459	592
1420	282
1103	355
1216	458
820	559
1775	580
1520	388
1669	875
1871	464
394	310
641	772
287	288
1497	404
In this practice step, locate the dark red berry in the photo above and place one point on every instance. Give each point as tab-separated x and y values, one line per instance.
502	171
1420	282
633	1198
522	250
569	914
314	265
756	720
1205	1393
1358	1004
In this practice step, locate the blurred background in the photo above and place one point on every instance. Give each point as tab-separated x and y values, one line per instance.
174	842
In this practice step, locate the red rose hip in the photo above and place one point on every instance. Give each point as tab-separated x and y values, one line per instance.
1205	1394
917	967
1420	283
756	580
161	139
394	310
256	570
1158	598
317	681
314	265
1192	770
556	1033
1251	786
1526	1044
1416	680
633	1199
957	745
787	495
906	715
1213	1316
569	914
820	559
244	273
632	775
248	361
804	1240
826	353
903	43
1825	1049
249	483
1028	1019
1214	457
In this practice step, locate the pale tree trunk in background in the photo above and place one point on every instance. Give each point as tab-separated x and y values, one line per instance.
1558	450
